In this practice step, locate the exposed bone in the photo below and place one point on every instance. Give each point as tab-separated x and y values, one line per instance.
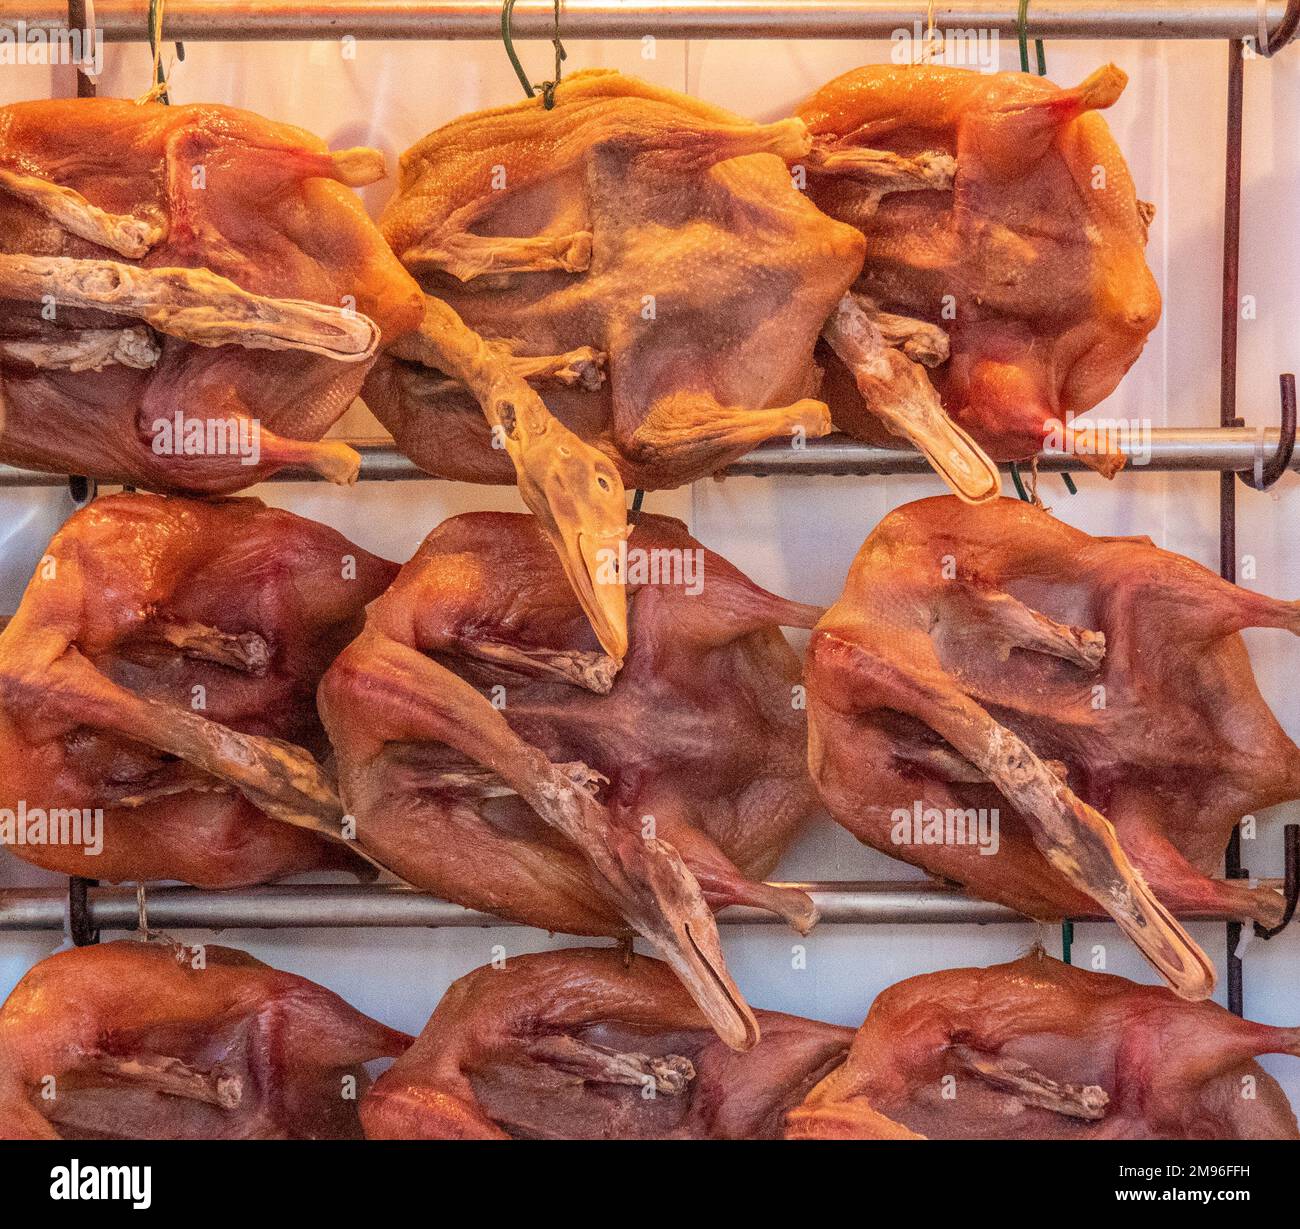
943	762
1020	626
333	460
246	651
671	1073
194	304
359	166
174	1078
192	782
594	671
126	235
1107	464
1087	1101
1081	843
467	256
882	171
87	350
1076	839
278	778
899	392
583	367
696	427
921	341
572	488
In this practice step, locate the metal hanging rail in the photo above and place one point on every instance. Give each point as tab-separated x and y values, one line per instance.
249	20
311	906
1209	450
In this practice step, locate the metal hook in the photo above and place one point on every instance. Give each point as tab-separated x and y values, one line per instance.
1266	474
1270	44
507	37
1022	35
1291	837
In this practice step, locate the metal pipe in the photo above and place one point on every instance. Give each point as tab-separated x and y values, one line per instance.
1171	448
313	906
236	20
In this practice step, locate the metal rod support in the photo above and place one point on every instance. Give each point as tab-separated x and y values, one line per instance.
297	906
1171	448
236	20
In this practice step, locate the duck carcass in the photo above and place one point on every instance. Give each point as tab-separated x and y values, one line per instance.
642	258
1004	250
581	1044
1088	701
156	1040
157	692
1037	1049
491	752
192	295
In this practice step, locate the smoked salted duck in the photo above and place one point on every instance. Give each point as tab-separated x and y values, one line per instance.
192	295
155	1040
1037	1049
1005	249
581	1044
1092	696
492	753
638	255
157	692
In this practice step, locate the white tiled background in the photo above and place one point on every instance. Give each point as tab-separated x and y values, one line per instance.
798	536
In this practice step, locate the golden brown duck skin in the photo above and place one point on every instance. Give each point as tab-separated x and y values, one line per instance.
132	1040
198	261
1092	695
161	670
642	257
1027	252
581	1044
493	754
1037	1049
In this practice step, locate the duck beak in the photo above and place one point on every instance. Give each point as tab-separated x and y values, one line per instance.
576	493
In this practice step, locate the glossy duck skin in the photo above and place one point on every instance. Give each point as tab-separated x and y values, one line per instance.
159	1041
1094	691
1034	248
202	261
641	256
140	601
580	1044
491	753
1036	1049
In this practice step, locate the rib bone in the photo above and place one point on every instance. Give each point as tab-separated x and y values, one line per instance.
1020	626
246	651
87	350
1086	1101
467	256
671	1073
123	234
884	172
165	1074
